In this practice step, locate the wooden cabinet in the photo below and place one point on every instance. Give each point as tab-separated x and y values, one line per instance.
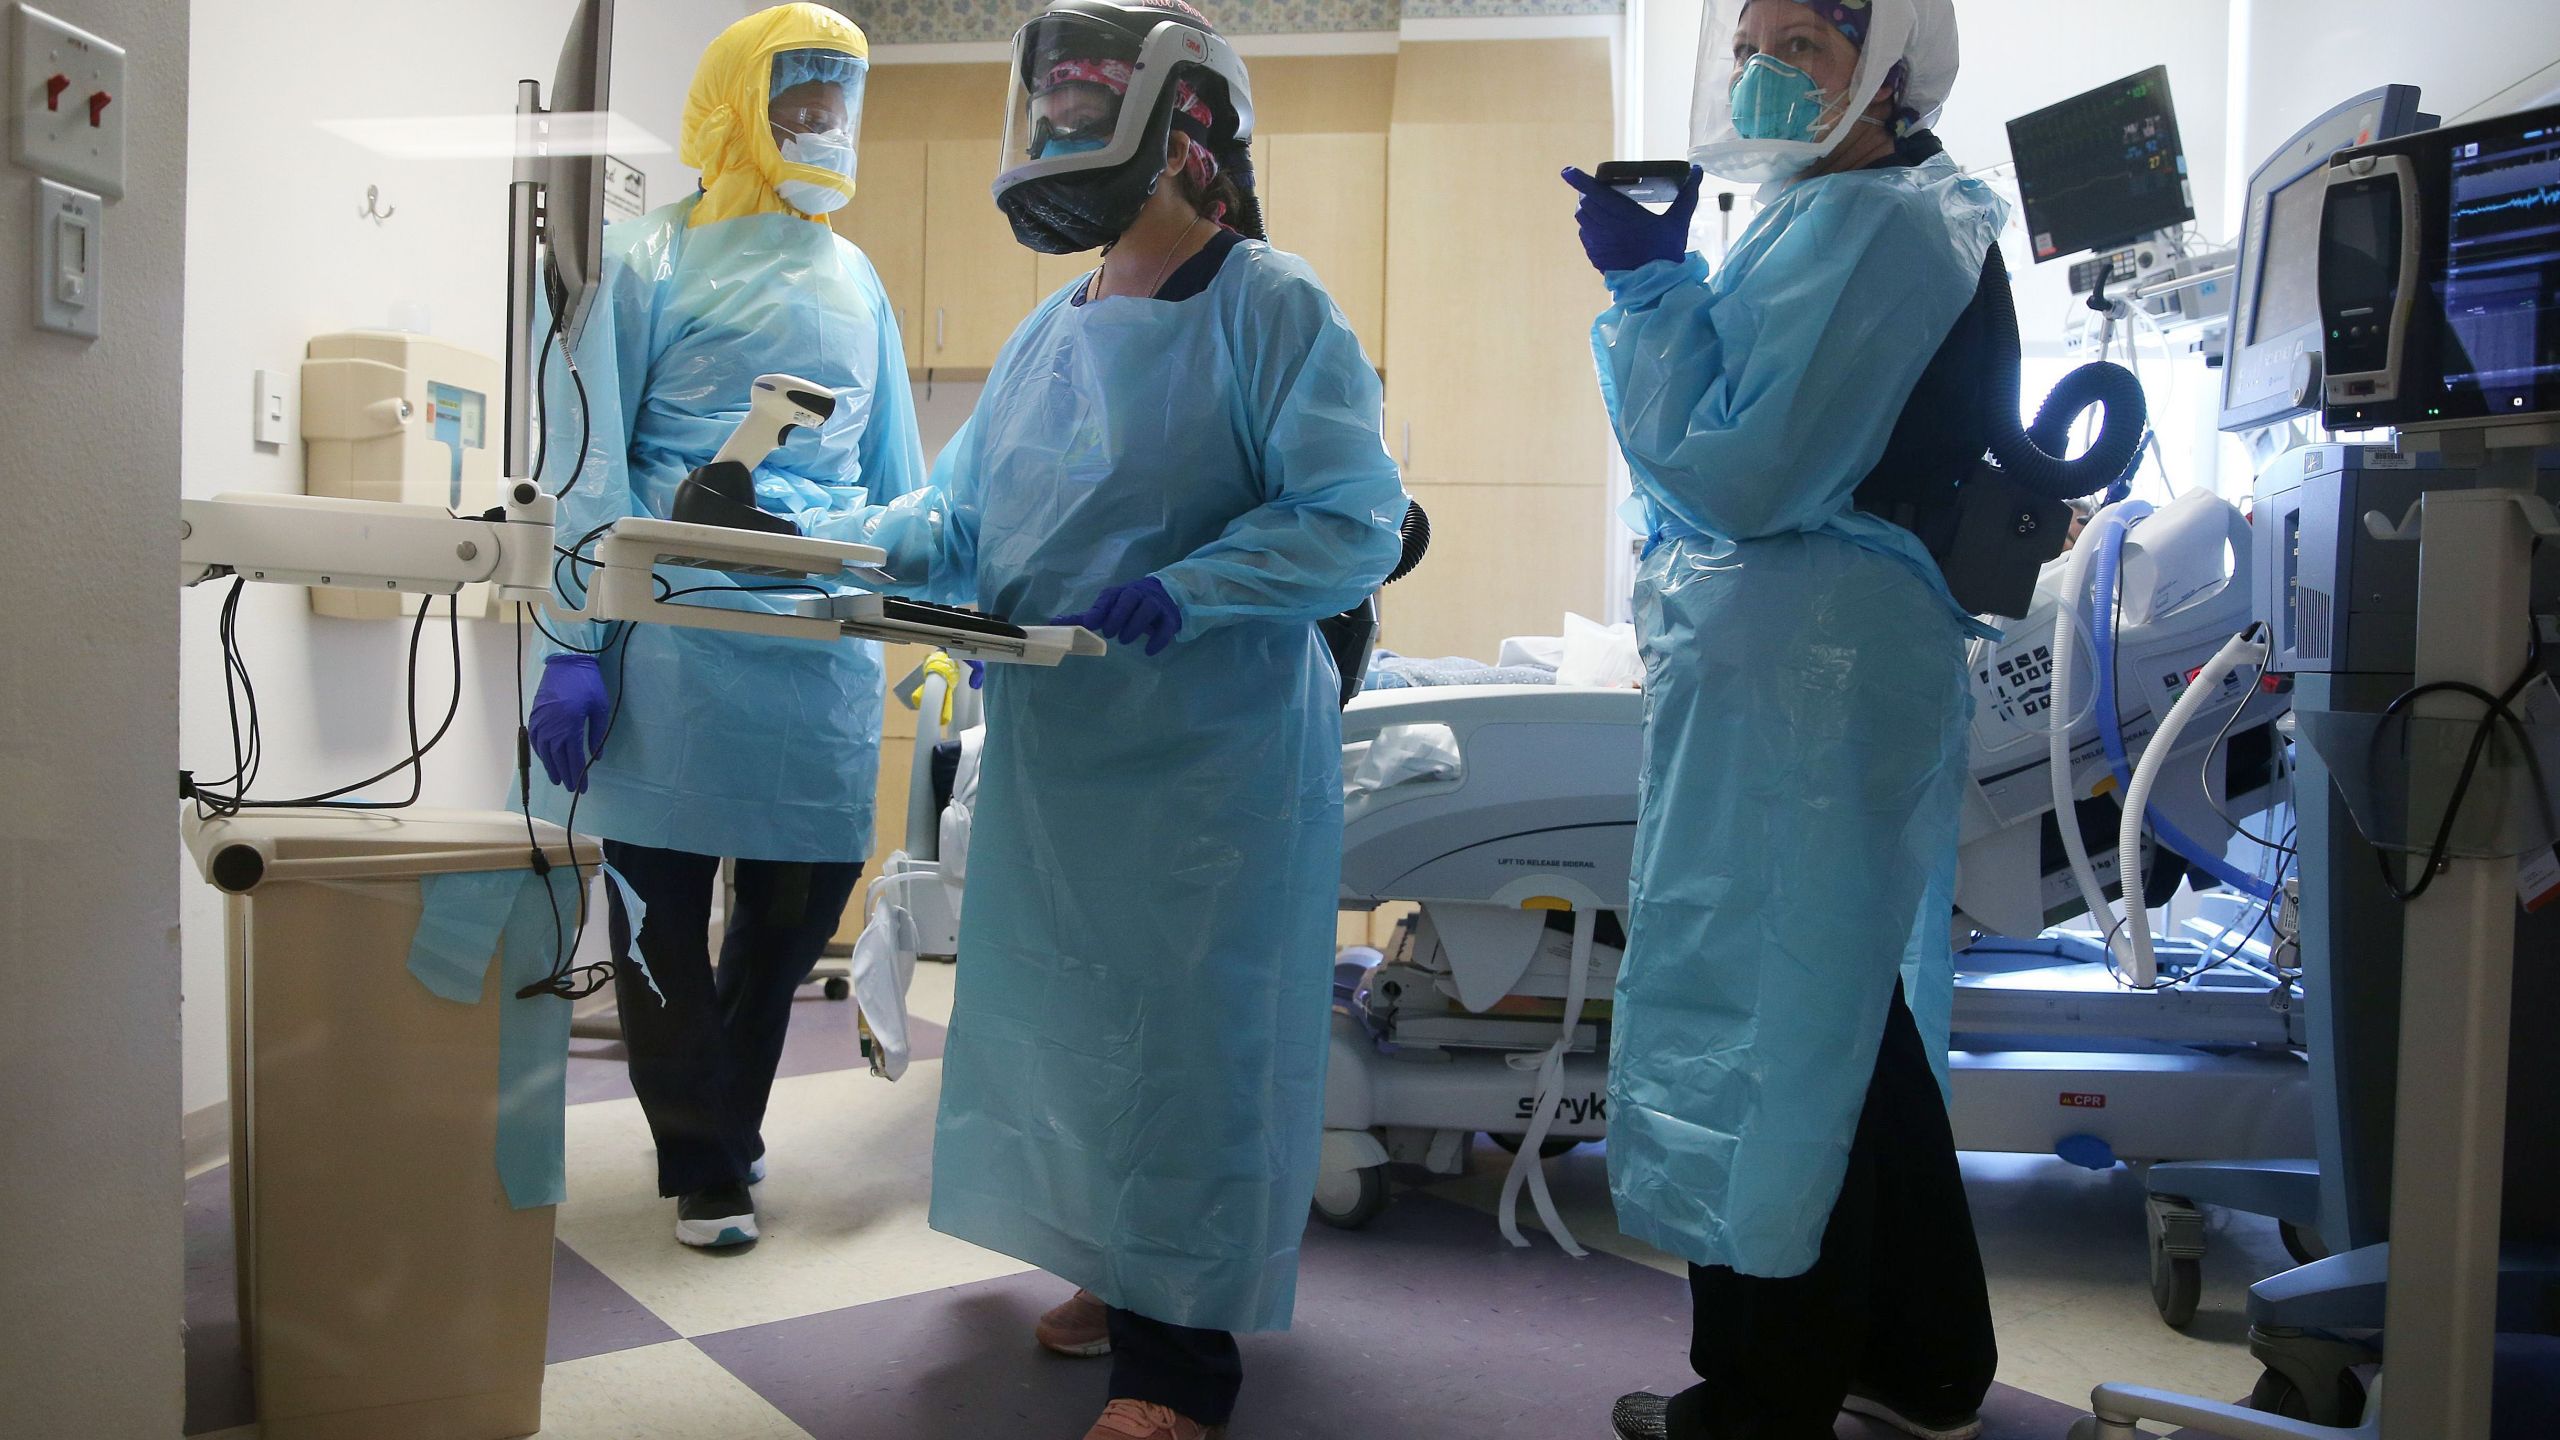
1324	199
1489	301
978	280
1505	560
1492	407
886	219
1052	272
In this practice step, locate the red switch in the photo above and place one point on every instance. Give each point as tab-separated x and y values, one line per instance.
53	89
97	107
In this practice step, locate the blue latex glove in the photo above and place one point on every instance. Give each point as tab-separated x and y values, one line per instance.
1619	234
569	714
977	674
1130	613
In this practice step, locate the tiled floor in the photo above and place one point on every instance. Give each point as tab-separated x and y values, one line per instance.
852	1320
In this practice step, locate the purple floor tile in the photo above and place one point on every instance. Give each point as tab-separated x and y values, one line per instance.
218	1394
820	1039
590	1315
1424	1325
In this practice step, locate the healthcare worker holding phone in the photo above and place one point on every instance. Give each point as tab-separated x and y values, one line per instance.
1778	1116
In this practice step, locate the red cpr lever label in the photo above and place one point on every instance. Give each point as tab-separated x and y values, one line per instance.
2083	1100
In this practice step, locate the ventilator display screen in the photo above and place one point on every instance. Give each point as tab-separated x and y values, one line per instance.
2102	169
2289	269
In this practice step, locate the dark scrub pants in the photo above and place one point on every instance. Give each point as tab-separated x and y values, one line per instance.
1895	1304
1193	1373
702	1063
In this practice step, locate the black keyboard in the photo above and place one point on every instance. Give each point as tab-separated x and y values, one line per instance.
917	612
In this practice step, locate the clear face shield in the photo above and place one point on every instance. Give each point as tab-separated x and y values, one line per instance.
1083	96
814	111
1780	86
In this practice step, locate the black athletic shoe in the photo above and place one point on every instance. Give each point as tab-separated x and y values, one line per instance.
716	1218
1927	1425
1641	1416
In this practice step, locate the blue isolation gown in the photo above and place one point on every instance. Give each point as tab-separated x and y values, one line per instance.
1133	1092
1806	706
746	746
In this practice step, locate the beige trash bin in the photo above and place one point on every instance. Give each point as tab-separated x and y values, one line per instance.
388	1290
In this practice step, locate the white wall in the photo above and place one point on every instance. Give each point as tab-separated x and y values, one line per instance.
277	253
2022	55
2306	55
91	1260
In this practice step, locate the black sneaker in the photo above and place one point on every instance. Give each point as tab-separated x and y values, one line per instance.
1641	1416
716	1218
1927	1425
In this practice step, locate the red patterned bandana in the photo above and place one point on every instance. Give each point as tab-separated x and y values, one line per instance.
1114	76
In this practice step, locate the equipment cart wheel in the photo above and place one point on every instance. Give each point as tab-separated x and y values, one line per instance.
839	989
1555	1145
2301	1242
2277	1393
2177	1257
1349	1199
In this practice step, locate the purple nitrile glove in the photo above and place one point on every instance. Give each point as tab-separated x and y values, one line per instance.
568	718
1619	234
1131	613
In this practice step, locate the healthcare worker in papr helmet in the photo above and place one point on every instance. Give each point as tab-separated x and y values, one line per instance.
683	747
1180	450
1778	1113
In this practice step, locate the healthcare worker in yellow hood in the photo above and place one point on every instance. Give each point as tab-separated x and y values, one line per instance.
681	747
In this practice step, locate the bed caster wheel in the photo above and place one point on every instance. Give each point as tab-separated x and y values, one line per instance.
839	989
2177	1257
1552	1148
1350	1199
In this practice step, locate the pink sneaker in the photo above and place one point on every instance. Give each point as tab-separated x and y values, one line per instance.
1138	1420
1078	1329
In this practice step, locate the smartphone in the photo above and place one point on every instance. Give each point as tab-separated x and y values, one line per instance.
1647	182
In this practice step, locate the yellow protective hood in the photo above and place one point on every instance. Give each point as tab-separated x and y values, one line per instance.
727	134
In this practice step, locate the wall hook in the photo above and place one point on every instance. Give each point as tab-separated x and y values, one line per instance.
373	210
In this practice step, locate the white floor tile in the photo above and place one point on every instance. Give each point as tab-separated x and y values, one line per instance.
659	1392
843	1215
929	994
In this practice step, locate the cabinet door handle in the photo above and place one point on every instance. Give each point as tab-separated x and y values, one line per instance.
937	327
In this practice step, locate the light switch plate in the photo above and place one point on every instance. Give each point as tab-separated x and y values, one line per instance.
70	259
56	72
270	427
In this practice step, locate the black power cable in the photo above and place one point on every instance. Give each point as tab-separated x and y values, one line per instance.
230	796
2495	709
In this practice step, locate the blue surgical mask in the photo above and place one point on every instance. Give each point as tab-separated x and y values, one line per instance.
1773	100
1059	145
826	150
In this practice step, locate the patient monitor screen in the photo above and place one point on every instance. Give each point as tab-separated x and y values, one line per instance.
2501	283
